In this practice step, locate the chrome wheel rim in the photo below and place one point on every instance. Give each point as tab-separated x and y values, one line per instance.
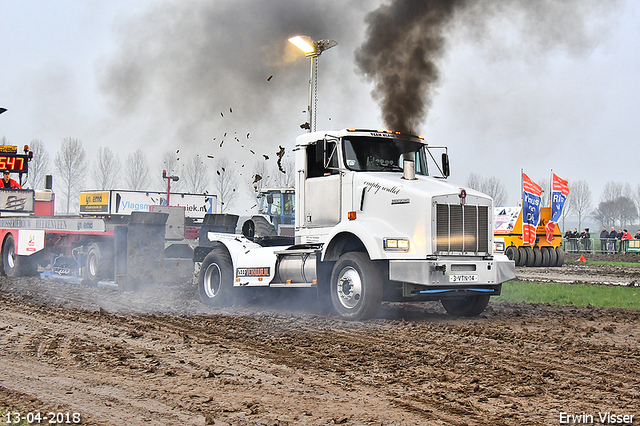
349	287
212	280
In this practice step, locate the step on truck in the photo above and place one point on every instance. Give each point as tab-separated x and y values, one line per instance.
375	220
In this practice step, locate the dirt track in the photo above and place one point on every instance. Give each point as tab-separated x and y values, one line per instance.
160	357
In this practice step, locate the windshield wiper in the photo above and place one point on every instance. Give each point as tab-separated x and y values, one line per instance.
394	167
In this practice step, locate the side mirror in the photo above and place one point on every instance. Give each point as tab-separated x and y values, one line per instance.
445	164
270	198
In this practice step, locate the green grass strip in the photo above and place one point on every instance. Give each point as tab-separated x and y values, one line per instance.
600	296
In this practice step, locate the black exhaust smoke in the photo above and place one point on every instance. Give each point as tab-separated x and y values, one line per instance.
403	41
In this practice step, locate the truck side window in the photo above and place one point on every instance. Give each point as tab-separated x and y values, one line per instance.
315	164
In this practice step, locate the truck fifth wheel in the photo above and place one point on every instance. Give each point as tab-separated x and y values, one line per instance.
375	219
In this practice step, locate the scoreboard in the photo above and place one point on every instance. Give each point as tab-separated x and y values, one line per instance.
12	161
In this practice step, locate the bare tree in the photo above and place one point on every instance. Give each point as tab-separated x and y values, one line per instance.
137	171
260	178
105	172
628	212
474	181
605	213
545	184
39	165
71	164
637	197
579	199
616	205
287	178
614	190
225	183
493	187
490	186
195	175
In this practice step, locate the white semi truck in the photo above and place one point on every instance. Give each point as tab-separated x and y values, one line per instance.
375	220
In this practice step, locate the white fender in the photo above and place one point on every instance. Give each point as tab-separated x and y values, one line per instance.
253	265
371	232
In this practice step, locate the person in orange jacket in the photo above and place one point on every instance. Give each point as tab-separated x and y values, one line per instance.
7	182
626	236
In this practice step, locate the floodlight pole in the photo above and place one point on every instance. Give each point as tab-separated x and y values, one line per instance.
312	49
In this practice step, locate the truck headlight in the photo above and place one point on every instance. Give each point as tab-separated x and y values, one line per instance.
396	244
498	246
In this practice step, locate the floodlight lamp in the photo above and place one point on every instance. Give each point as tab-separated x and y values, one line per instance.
305	43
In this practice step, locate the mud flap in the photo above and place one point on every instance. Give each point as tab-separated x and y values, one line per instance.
139	248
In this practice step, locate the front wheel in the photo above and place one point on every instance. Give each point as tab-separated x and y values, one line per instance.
215	281
356	287
470	306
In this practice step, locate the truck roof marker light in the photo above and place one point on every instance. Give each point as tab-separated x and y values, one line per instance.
351	215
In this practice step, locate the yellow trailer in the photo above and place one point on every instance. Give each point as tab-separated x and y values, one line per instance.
508	228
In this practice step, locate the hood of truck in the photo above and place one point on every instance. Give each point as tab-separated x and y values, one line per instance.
436	216
423	187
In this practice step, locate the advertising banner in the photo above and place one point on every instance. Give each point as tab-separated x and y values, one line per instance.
531	199
559	193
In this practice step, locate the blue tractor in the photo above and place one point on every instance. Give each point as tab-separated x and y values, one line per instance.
276	214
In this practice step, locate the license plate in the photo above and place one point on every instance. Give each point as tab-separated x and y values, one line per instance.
460	278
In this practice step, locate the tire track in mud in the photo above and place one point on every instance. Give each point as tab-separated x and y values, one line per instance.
521	380
517	364
176	355
505	368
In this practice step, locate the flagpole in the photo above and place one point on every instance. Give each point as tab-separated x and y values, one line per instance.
522	212
551	189
521	188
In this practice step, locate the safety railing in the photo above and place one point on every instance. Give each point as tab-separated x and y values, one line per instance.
600	245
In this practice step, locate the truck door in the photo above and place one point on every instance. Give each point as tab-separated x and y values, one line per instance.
322	204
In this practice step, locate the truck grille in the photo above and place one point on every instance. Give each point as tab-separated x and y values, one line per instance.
462	229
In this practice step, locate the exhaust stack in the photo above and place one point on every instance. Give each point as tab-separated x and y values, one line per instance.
409	170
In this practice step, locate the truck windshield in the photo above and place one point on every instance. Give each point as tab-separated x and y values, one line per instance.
367	154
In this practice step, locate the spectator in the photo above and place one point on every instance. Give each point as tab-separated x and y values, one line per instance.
603	239
612	240
567	239
575	235
585	236
626	236
619	238
637	237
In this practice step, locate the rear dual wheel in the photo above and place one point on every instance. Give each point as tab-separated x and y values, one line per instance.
215	281
99	264
15	265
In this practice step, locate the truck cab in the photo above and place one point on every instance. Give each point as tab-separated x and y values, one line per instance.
375	220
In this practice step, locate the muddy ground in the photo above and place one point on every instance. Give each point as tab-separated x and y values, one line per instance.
160	357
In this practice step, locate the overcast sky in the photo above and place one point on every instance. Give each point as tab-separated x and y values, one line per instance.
552	88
